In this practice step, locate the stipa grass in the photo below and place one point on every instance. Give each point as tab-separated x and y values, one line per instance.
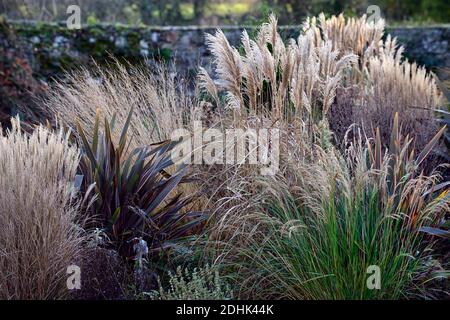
38	235
160	103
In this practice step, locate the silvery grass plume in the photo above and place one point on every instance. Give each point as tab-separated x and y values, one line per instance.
382	82
271	75
348	35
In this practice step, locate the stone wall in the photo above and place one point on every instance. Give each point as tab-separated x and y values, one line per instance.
53	48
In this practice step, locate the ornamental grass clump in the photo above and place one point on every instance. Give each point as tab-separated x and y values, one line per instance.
328	216
39	237
160	101
317	231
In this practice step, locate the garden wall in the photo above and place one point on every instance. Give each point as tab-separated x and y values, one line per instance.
52	48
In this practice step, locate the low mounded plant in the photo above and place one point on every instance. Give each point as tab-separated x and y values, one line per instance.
200	284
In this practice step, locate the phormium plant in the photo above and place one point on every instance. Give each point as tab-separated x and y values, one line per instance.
130	193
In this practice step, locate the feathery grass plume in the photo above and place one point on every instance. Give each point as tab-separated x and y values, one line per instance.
348	35
399	87
338	215
276	80
290	87
354	36
38	235
206	84
274	85
160	102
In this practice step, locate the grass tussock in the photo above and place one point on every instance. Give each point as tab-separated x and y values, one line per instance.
313	231
38	235
403	88
159	100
